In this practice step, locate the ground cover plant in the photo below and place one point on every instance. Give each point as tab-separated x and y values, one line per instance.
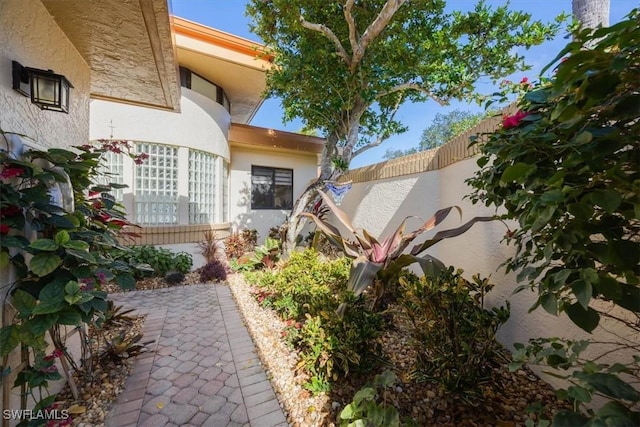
566	168
306	291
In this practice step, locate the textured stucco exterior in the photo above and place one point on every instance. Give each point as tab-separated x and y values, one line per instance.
242	216
29	35
203	124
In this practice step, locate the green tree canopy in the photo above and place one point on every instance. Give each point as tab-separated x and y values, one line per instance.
345	66
442	129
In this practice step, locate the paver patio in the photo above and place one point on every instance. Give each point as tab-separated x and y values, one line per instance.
202	369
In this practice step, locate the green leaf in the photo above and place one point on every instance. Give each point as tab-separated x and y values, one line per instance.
517	172
44	245
584	138
9	339
580	394
72	287
348	412
5	259
366	393
48	307
24	302
583	292
609	200
44	263
126	281
610	384
38	325
81	254
54	292
567	418
14	242
62	237
78	245
630	298
69	316
549	303
585	319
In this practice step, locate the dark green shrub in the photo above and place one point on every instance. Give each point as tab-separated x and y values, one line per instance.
453	334
174	277
161	260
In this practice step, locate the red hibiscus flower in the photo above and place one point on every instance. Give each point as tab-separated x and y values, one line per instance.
9	172
513	121
4	228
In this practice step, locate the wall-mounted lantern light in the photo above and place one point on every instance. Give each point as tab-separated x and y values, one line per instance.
47	90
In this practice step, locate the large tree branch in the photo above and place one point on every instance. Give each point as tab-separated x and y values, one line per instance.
411	86
373	30
342	53
348	16
381	138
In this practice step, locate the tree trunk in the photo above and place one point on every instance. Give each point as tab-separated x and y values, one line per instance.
310	194
591	13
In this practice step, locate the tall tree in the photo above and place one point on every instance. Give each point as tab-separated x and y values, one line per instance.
591	13
345	66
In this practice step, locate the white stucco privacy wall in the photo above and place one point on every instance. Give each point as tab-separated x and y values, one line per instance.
29	35
241	214
379	206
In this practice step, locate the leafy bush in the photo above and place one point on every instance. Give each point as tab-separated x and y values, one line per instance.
161	260
306	292
567	168
310	284
378	264
453	334
239	243
370	407
213	271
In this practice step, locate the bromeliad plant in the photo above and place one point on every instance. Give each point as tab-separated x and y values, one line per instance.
60	251
379	262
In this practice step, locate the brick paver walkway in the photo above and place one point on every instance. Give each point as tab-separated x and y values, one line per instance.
203	369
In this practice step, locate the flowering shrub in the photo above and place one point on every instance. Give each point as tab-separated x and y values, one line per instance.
60	250
568	173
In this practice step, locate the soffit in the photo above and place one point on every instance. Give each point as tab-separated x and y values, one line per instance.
229	61
270	139
128	45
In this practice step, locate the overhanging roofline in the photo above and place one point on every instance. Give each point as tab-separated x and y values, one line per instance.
253	136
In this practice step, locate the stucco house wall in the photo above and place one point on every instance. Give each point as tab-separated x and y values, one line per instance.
29	35
241	213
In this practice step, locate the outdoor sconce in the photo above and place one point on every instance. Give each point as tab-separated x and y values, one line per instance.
47	90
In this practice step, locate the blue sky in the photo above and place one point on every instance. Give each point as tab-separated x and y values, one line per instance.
228	15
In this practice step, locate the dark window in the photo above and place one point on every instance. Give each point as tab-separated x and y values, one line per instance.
271	188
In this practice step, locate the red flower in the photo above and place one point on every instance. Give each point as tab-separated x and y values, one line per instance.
93	194
4	228
49	358
513	121
298	325
524	80
10	210
57	353
104	217
9	172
